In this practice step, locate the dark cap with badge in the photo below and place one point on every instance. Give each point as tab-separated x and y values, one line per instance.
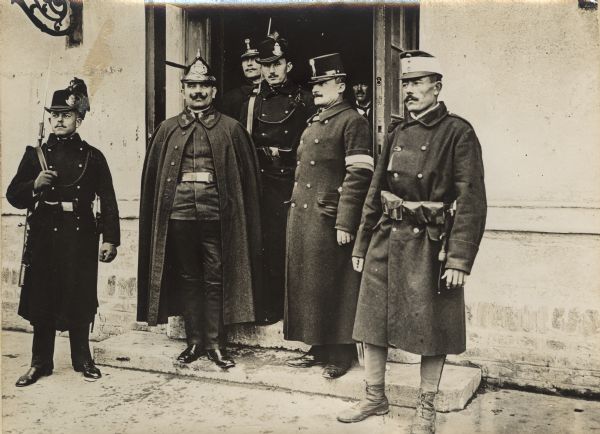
73	98
417	63
198	72
249	49
326	67
272	49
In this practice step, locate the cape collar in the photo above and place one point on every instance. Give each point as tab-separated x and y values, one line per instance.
430	118
330	112
208	118
287	88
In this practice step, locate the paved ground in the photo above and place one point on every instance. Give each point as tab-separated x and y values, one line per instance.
125	401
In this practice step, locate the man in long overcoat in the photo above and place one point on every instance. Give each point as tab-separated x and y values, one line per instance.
58	183
278	115
422	223
200	243
332	177
234	99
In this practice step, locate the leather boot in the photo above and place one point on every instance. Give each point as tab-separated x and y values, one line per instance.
374	404
424	418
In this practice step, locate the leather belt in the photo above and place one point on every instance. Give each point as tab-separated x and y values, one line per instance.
66	206
419	213
206	177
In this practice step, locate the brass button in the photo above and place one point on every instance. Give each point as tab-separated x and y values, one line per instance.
77	228
55	229
282	170
172	163
394	229
168	179
305	206
396	175
78	187
285	132
293	205
81	149
416	230
295	183
262	170
263	134
183	133
312	163
50	167
326	120
307	185
419	175
316	140
80	165
52	188
297	163
301	142
398	148
423	148
176	146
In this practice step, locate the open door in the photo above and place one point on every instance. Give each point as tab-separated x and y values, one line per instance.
395	29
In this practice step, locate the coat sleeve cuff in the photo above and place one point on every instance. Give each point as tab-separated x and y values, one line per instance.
461	255
361	245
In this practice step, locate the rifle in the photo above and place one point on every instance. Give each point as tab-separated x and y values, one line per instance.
25	225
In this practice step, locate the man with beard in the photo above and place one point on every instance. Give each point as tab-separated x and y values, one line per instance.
332	178
234	99
363	98
199	223
420	231
276	118
58	183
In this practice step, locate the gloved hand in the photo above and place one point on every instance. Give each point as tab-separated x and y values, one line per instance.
44	180
107	253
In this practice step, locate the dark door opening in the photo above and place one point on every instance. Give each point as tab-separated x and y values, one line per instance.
310	31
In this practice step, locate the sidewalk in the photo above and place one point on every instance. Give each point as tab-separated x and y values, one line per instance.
127	402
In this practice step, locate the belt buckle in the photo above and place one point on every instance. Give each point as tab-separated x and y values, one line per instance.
67	206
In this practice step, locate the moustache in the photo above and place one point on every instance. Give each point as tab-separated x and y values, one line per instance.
410	98
199	96
317	95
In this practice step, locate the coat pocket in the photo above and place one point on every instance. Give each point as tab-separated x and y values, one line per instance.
327	204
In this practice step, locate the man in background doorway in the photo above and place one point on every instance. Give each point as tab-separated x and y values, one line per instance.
233	100
276	118
363	97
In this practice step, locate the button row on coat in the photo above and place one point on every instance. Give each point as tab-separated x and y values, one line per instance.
415	230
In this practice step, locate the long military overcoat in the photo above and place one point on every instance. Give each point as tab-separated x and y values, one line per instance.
436	158
60	287
331	181
236	172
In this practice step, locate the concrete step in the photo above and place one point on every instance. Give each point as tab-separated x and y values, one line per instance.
266	367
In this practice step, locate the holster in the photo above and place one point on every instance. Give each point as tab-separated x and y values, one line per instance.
417	213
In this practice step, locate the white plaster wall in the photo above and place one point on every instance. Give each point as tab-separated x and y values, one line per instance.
527	75
111	60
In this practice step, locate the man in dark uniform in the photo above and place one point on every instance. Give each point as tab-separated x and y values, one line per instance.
233	100
58	183
333	173
276	118
420	231
200	248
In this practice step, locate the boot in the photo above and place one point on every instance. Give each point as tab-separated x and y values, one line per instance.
424	418
374	404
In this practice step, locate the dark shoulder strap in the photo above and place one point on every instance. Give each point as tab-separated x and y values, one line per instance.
41	157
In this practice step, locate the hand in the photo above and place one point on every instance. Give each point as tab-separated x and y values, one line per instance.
274	151
45	179
358	263
455	279
107	253
344	237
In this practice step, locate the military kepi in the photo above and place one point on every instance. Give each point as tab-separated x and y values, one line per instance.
73	98
198	72
272	49
416	63
249	49
326	67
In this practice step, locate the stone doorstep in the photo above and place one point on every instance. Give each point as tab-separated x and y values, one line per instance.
157	353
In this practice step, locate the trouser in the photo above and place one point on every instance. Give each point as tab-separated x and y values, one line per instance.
336	354
42	351
376	358
196	253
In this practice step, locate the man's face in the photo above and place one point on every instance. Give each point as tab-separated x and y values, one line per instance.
251	68
362	93
420	93
198	96
64	123
276	72
327	92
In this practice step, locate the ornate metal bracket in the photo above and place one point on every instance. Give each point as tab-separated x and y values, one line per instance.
50	16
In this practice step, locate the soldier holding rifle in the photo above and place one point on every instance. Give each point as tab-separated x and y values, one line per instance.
57	182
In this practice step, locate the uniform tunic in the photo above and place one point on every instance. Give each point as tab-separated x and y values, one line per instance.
435	158
332	178
280	115
60	288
